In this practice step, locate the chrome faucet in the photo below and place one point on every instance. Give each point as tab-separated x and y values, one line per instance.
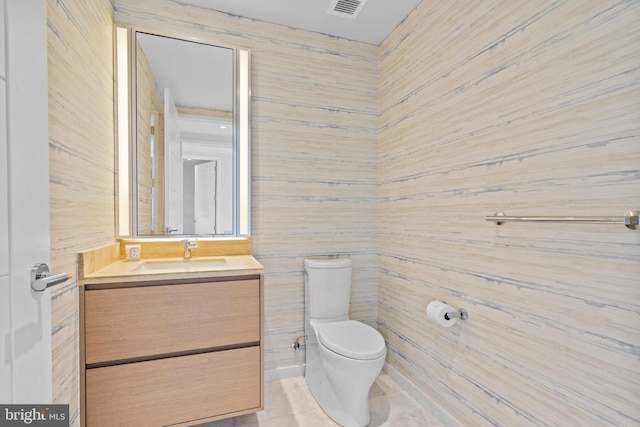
187	247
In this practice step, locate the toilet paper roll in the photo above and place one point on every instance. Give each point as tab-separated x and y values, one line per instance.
436	311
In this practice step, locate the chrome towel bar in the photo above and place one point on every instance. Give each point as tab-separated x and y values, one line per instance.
631	220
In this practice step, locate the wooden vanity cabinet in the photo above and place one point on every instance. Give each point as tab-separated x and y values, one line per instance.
178	353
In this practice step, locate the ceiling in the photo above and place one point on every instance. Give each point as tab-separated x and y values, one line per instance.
373	24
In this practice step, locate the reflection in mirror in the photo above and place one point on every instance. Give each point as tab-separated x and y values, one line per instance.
191	139
185	144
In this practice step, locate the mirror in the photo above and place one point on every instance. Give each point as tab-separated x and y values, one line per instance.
189	169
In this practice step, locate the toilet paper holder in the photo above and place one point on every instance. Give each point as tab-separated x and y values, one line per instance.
460	314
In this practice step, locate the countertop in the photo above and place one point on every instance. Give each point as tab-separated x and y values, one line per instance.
198	267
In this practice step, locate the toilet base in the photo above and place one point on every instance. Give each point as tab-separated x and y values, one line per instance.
339	384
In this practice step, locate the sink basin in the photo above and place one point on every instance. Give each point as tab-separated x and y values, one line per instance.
186	265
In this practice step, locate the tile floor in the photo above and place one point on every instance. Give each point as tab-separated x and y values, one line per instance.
289	403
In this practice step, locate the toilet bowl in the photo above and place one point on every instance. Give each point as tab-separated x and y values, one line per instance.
343	356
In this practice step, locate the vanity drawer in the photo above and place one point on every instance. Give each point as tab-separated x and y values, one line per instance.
138	322
164	391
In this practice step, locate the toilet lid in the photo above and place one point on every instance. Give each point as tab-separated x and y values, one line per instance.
352	339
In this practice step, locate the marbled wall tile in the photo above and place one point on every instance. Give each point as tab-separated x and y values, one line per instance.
81	166
532	109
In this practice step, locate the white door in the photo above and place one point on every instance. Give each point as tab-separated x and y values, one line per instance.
205	197
173	166
25	315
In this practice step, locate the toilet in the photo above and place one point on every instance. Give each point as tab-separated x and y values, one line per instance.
343	356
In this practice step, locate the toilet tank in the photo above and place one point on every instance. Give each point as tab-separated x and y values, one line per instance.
327	287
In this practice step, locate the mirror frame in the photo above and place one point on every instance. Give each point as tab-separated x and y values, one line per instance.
126	131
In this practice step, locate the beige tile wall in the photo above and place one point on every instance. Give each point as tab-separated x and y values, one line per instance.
81	168
532	108
314	154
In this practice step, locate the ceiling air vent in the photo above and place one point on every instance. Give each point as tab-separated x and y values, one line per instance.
346	8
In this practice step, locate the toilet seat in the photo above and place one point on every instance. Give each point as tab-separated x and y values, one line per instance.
352	339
